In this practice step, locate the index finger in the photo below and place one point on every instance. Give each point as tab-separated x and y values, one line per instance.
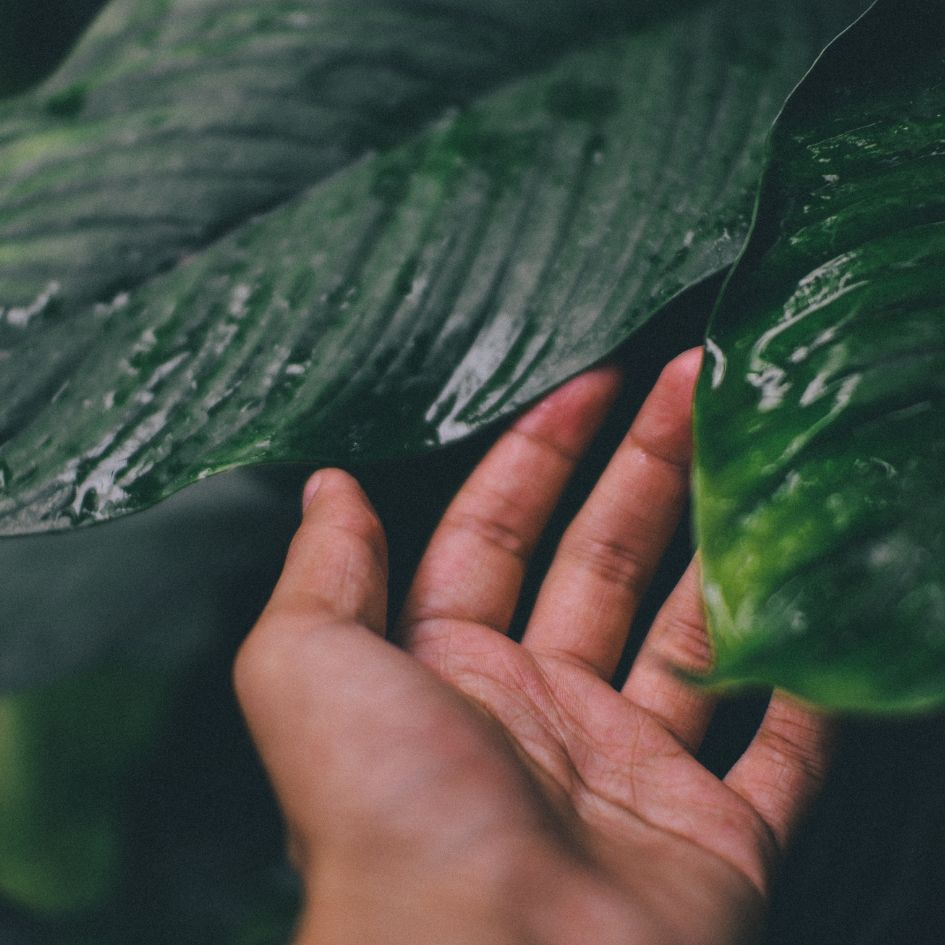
474	565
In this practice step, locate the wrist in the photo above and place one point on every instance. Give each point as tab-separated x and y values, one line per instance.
548	903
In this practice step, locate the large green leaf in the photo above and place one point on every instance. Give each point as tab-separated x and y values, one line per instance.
172	121
821	409
410	297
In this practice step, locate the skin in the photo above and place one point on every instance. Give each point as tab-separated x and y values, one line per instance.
443	783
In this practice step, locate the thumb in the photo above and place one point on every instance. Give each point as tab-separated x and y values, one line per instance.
319	629
336	566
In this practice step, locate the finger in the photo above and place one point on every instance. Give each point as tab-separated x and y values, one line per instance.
609	552
783	768
350	728
336	566
308	651
473	568
676	641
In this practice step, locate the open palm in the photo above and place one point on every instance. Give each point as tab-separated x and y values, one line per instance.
457	786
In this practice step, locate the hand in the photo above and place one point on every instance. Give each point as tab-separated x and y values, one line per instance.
459	788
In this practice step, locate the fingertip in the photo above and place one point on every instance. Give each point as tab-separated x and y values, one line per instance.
334	485
664	425
681	373
334	498
569	414
311	488
336	563
590	387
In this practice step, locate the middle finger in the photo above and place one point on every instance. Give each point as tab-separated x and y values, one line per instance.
610	551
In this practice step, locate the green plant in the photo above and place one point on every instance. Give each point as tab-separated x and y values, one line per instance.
426	233
237	233
820	516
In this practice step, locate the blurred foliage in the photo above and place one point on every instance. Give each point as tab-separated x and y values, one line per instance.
152	591
65	754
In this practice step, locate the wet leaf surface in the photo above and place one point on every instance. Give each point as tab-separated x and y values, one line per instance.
229	233
821	409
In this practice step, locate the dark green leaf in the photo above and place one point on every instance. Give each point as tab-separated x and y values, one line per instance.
403	302
172	121
821	409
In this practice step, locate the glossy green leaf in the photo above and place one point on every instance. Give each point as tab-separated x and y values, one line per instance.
821	409
173	121
155	330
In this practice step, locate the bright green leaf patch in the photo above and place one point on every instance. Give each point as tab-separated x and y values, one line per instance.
156	329
821	409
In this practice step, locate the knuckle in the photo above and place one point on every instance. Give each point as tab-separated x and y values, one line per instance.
612	560
662	446
362	524
490	528
347	530
798	746
683	642
546	443
360	519
253	667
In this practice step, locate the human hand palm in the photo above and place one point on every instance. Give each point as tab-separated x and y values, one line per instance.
463	777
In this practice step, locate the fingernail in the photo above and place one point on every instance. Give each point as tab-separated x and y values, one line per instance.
311	487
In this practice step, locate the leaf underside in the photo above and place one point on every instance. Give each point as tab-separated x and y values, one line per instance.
230	234
820	414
